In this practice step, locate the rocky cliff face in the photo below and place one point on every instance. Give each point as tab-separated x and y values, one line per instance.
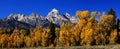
36	19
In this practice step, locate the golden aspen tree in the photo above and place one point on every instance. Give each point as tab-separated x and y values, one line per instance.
27	41
1	31
3	40
38	35
57	32
67	36
106	23
87	27
22	33
10	41
16	31
113	37
46	38
83	18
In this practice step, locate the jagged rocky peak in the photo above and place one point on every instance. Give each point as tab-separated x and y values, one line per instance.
55	11
36	19
15	16
34	15
55	17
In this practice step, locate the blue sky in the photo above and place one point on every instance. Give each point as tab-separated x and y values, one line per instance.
42	7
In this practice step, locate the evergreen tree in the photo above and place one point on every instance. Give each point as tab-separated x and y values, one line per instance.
112	12
118	30
52	31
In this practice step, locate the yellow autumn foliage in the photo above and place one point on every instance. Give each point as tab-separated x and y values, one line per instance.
86	32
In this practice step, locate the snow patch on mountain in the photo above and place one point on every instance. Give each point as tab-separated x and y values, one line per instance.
36	19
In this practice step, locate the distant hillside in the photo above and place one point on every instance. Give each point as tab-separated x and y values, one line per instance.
12	24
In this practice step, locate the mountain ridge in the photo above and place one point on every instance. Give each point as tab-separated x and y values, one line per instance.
36	19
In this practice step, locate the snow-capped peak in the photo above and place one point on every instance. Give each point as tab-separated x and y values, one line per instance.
55	11
15	16
36	19
53	14
57	18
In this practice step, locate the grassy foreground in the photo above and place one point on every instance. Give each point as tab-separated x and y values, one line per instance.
75	47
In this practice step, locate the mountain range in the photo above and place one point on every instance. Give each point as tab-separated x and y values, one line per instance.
35	19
